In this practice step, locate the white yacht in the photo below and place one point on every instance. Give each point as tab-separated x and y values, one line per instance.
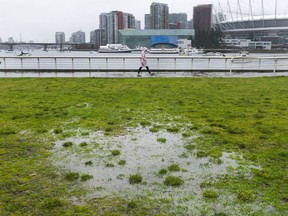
114	48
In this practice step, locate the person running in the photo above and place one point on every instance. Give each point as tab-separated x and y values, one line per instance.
143	62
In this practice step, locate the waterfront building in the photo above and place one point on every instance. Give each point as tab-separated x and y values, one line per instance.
247	44
146	38
78	37
202	18
159	15
60	37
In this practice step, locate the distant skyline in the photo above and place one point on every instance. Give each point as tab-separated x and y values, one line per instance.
38	20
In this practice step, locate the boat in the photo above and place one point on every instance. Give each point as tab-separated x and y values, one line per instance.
193	50
213	54
243	54
241	57
114	48
22	53
163	51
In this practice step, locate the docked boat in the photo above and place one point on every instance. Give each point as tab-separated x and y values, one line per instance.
22	53
163	51
114	48
193	50
214	54
243	54
241	57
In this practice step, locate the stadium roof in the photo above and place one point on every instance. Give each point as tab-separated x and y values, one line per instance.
255	18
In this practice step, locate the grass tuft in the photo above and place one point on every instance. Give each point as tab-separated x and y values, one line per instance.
135	179
173	181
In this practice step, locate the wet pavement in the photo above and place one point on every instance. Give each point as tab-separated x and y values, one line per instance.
143	74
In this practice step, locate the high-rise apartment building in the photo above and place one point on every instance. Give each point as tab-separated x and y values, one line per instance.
137	24
114	21
97	37
147	18
60	37
202	18
78	37
159	15
177	20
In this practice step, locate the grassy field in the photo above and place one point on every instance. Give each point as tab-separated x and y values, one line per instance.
247	117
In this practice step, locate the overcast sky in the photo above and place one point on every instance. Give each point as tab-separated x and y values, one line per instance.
38	20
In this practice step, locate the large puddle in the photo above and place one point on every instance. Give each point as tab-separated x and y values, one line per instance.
140	151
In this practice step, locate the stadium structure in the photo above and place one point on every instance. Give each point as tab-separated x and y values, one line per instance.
260	20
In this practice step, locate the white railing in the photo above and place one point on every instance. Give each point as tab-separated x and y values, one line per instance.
162	63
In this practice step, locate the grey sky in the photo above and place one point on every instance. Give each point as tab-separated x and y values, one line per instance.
38	20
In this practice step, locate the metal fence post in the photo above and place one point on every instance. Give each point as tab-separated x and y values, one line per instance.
275	65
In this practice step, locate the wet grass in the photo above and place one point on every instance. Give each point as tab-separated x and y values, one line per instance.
247	116
135	179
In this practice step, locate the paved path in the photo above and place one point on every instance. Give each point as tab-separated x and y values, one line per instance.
134	74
